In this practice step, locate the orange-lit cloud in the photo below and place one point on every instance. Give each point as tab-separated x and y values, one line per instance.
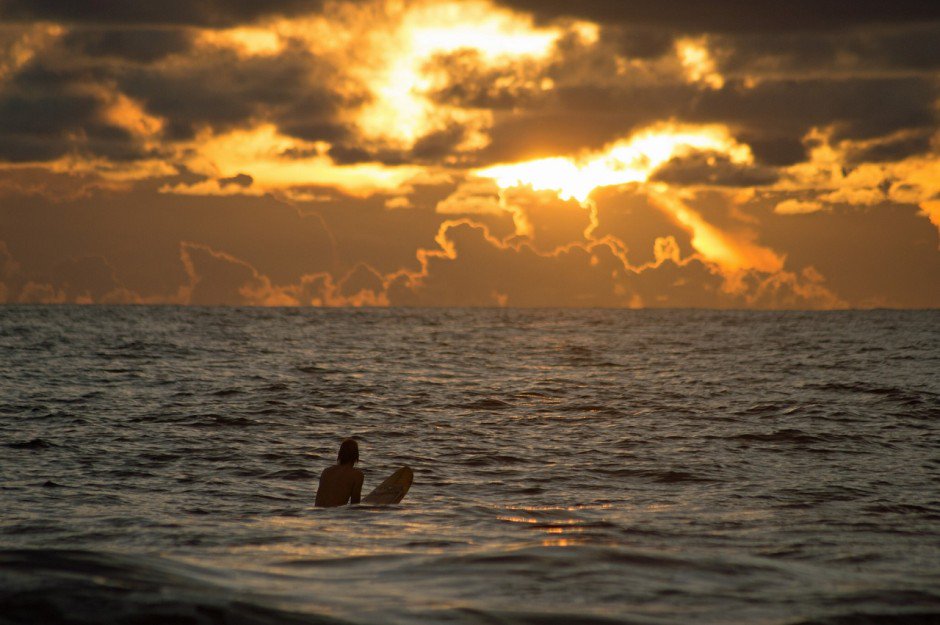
633	160
630	160
698	63
481	152
267	156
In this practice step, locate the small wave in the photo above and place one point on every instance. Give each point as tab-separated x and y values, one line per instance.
227	392
291	475
546	558
663	477
35	443
484	460
277	386
212	420
315	369
899	508
486	404
676	477
57	587
762	408
789	435
868	618
588	408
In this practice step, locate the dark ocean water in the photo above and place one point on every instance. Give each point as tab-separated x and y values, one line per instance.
159	465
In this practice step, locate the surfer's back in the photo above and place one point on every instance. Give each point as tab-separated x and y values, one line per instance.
339	484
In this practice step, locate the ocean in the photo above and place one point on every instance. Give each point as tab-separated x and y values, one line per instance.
159	465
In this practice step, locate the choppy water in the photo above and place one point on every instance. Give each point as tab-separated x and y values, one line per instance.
159	465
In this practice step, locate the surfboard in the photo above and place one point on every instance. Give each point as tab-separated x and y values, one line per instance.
393	489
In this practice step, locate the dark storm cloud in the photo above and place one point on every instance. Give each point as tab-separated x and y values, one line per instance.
638	43
587	116
221	90
471	83
240	180
26	136
436	145
47	112
893	148
351	153
857	107
710	168
904	47
431	148
772	117
311	114
735	15
140	45
195	12
56	103
549	133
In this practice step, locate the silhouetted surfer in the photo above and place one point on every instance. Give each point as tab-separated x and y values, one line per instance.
341	483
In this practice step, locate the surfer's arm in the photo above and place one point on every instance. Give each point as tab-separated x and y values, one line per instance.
321	493
357	488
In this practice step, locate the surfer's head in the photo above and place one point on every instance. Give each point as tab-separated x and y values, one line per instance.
348	452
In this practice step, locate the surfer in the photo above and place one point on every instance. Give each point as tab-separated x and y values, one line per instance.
341	483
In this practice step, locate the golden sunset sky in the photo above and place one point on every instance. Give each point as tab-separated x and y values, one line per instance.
650	153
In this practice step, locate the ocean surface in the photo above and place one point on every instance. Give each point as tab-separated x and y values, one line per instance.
159	465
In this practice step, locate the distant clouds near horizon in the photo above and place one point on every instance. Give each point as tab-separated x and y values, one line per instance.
475	153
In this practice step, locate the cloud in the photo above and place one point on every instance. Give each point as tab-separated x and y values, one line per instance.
434	151
858	51
216	278
731	15
880	255
796	106
78	280
711	168
220	279
171	12
797	207
217	88
140	45
472	268
46	113
238	180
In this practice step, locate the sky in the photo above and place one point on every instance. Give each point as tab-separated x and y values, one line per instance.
652	153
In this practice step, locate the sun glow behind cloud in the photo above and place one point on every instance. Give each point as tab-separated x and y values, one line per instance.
634	160
390	119
631	160
246	41
401	110
382	51
386	47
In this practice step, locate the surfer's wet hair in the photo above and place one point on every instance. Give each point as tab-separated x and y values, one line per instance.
348	452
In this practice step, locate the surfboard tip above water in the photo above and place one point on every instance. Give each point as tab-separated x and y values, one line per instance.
393	489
